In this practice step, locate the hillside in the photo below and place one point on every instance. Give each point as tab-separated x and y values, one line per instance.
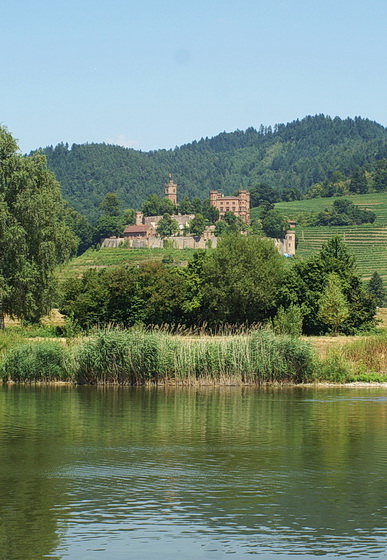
293	155
105	258
367	241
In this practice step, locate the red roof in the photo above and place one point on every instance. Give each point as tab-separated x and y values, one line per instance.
137	229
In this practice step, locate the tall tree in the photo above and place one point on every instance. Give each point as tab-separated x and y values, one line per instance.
274	224
333	309
110	205
167	226
240	280
306	281
197	225
81	227
376	288
358	183
34	237
108	226
153	205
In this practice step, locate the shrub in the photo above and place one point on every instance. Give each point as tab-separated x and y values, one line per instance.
288	321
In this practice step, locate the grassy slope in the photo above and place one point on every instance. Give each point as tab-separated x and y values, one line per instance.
119	257
368	241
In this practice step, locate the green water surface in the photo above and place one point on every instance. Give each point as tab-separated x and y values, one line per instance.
136	473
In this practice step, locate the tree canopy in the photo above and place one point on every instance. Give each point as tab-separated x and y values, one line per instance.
343	213
34	237
240	280
376	289
307	280
274	224
167	226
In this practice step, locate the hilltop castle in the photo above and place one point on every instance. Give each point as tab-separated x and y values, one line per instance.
143	233
238	205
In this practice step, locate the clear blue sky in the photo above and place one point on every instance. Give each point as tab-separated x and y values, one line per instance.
155	74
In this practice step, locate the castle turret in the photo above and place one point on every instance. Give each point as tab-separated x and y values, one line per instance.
170	190
244	205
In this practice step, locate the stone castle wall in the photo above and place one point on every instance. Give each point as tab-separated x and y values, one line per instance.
285	246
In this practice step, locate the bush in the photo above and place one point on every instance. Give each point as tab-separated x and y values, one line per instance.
288	321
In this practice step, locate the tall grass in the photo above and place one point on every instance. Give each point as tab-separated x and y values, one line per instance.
36	361
139	357
364	359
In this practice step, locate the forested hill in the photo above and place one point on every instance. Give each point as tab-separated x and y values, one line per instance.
297	154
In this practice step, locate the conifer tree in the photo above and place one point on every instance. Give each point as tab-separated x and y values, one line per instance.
375	287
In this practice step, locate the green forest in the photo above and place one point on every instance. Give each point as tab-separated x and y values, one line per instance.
317	152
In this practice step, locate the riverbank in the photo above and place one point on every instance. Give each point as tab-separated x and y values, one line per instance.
138	357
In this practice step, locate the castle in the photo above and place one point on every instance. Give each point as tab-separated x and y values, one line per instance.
143	232
238	205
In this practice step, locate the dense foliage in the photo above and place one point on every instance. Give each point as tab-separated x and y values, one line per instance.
287	159
243	281
344	213
34	237
237	283
376	289
308	280
367	177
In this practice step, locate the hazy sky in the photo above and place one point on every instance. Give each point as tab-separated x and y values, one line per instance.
155	74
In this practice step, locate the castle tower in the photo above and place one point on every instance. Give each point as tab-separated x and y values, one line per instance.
139	217
244	205
170	190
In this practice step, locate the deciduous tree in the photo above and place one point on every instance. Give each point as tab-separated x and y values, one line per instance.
197	225
34	237
333	309
167	226
274	224
240	280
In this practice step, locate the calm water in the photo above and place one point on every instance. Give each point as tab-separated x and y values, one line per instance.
91	473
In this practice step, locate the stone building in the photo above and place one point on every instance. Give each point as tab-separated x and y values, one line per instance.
287	245
170	189
182	220
139	231
238	205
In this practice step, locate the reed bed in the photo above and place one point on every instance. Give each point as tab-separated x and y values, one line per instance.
37	361
138	357
364	359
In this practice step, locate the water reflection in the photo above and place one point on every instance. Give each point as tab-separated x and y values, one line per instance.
130	473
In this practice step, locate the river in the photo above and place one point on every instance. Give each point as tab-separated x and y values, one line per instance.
196	473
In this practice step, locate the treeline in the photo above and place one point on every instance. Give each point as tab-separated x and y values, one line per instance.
288	158
244	281
371	177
